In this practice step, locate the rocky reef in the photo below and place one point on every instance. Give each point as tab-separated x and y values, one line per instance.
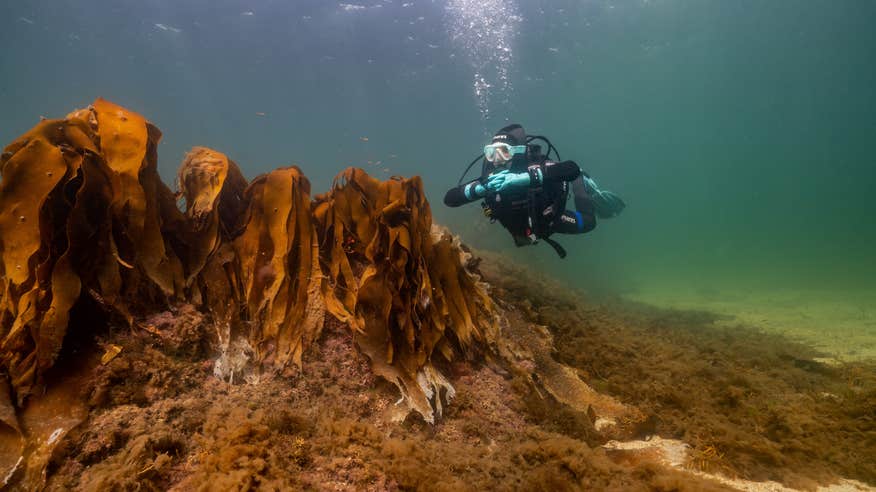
90	236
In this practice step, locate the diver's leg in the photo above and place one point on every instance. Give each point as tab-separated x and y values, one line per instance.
583	198
589	197
574	222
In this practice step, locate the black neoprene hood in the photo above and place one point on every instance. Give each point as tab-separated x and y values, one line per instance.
512	135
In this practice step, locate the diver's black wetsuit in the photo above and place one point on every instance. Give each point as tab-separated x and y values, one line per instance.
540	210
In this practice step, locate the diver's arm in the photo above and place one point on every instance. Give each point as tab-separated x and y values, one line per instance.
553	171
534	176
465	193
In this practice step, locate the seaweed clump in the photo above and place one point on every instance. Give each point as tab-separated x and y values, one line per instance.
378	241
88	227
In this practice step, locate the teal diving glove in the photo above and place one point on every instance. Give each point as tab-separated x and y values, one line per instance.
507	181
474	191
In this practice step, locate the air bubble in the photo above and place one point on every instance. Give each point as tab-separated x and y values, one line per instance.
485	30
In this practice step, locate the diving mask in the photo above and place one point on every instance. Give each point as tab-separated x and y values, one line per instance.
501	152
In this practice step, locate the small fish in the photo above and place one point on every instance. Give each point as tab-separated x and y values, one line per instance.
248	13
364	139
260	113
164	27
554	50
26	20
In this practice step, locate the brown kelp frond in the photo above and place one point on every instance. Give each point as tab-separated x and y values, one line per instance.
277	259
251	258
141	204
403	293
83	210
211	187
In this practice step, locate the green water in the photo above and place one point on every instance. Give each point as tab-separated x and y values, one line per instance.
741	133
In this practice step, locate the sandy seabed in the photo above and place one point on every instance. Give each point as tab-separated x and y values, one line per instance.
839	323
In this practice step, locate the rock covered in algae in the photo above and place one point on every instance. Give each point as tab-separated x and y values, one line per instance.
86	222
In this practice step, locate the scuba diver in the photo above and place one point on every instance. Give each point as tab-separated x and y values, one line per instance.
526	191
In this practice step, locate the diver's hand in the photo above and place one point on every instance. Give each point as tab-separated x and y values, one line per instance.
474	191
507	181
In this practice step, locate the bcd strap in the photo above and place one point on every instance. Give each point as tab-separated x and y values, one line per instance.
561	252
